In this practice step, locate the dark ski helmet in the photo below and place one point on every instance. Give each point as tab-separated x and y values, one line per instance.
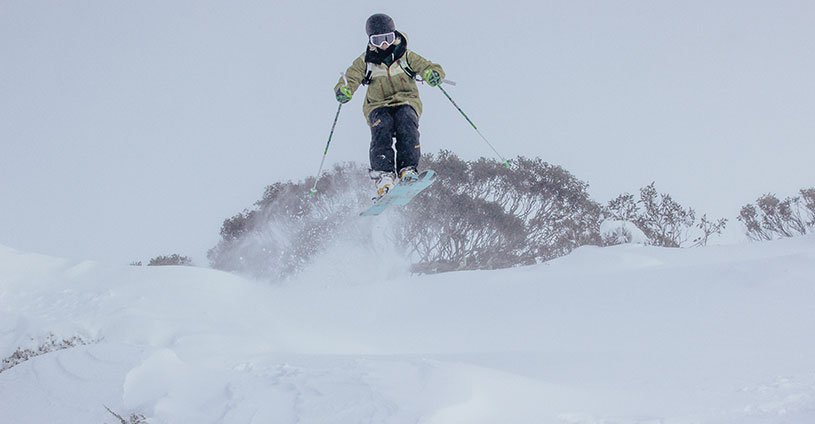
379	23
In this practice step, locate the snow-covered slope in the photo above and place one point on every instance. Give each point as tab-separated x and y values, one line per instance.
622	335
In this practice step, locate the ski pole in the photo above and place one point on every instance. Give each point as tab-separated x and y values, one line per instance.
506	162
313	190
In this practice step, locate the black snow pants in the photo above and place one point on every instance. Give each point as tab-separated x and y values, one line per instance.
388	123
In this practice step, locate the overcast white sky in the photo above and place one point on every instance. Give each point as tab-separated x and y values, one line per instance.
130	129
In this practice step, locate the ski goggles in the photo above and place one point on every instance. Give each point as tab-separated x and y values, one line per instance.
378	39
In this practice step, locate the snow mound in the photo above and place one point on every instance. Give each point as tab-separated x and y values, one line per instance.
627	334
622	232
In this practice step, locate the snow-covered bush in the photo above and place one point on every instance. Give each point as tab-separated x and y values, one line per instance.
771	218
614	232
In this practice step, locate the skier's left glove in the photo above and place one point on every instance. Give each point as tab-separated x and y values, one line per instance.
431	77
343	94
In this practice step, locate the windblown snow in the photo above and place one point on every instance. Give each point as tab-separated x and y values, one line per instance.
623	335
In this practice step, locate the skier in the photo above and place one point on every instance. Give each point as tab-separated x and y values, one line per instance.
392	106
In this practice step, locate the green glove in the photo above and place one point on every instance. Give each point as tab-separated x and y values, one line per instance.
344	94
431	77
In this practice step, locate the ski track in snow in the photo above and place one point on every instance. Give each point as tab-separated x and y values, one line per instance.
623	335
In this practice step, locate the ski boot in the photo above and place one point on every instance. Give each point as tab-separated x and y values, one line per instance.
384	182
408	174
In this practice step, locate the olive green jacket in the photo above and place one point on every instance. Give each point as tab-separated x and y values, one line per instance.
390	85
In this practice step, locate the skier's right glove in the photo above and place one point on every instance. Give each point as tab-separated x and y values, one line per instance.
343	94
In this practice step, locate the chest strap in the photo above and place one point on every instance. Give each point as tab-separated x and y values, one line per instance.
368	71
404	64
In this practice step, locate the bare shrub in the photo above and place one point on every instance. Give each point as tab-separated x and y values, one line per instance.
287	227
170	260
663	220
477	215
131	419
709	228
771	218
482	215
50	344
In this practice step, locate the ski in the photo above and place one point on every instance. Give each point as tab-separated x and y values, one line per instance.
401	194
